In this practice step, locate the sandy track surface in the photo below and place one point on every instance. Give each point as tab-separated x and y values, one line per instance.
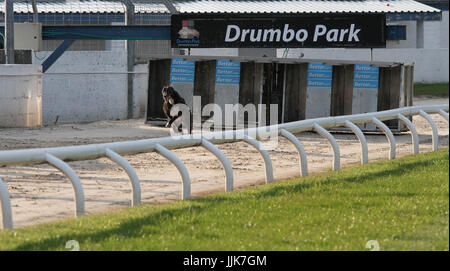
41	193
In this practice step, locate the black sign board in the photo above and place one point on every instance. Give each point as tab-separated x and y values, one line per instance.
278	31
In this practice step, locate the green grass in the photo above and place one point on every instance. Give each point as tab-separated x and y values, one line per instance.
439	89
403	204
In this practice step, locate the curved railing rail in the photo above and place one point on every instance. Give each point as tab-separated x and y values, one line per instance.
58	157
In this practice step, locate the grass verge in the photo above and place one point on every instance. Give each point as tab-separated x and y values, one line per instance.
402	204
438	89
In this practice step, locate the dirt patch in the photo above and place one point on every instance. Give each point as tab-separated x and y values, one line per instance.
40	193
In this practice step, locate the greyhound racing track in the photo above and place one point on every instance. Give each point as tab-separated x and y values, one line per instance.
40	193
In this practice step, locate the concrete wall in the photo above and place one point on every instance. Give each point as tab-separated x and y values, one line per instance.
431	65
436	32
432	35
444	30
20	95
140	87
85	86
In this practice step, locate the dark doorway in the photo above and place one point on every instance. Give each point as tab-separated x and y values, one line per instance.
273	85
159	73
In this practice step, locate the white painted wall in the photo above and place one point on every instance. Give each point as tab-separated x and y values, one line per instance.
140	89
430	65
20	95
432	35
436	33
73	91
444	30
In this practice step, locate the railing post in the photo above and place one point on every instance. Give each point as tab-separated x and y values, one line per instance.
414	135
336	153
265	155
6	206
389	135
186	193
444	114
301	151
134	179
225	162
73	177
362	141
435	134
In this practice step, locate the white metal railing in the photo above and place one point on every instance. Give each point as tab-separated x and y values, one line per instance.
57	157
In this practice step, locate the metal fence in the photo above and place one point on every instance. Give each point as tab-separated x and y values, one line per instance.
57	157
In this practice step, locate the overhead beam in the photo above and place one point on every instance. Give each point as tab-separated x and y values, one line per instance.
114	32
414	16
141	32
